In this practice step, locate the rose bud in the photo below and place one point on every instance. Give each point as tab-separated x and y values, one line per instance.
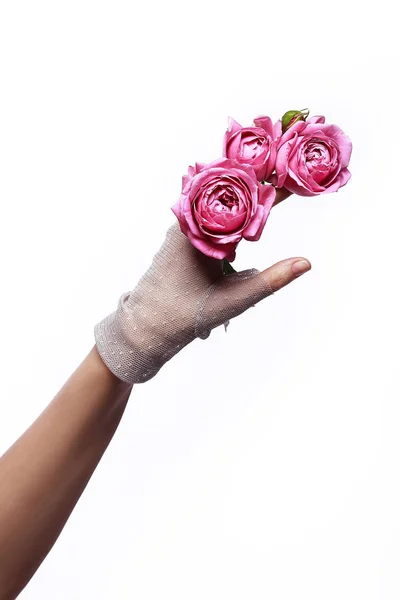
293	116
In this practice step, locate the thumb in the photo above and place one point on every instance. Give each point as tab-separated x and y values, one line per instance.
233	294
284	272
246	288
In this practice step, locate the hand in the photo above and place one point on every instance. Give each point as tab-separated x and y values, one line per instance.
183	295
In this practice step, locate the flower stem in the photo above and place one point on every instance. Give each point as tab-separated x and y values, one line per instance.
227	268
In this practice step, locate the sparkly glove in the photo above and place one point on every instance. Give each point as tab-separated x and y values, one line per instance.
182	296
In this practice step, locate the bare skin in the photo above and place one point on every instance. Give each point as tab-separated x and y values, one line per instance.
43	475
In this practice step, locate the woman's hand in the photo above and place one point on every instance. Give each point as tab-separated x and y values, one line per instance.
183	295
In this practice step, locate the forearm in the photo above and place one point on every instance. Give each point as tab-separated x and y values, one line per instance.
44	473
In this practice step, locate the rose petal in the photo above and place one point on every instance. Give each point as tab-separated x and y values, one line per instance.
233	126
297	189
209	249
278	129
340	181
199	167
282	159
264	123
232	147
316	119
292	132
254	229
267	195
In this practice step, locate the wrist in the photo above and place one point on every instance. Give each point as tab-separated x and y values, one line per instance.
102	373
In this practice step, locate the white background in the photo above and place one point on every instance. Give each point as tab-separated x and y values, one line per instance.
264	462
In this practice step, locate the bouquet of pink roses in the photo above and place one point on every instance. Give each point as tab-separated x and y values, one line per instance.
191	288
230	198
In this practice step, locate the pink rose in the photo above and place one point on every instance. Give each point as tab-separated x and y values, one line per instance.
220	204
254	146
312	158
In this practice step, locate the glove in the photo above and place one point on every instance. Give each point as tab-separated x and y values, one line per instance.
183	296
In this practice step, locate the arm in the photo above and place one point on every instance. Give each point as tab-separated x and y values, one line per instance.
44	473
183	295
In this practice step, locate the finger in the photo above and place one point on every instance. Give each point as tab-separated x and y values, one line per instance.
284	272
234	294
281	194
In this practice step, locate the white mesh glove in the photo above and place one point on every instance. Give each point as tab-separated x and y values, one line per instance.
183	295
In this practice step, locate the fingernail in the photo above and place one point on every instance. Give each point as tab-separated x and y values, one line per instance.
300	267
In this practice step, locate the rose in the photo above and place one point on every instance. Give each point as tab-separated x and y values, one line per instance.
254	146
221	203
312	158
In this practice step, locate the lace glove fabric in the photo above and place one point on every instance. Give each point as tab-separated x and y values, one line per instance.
183	295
